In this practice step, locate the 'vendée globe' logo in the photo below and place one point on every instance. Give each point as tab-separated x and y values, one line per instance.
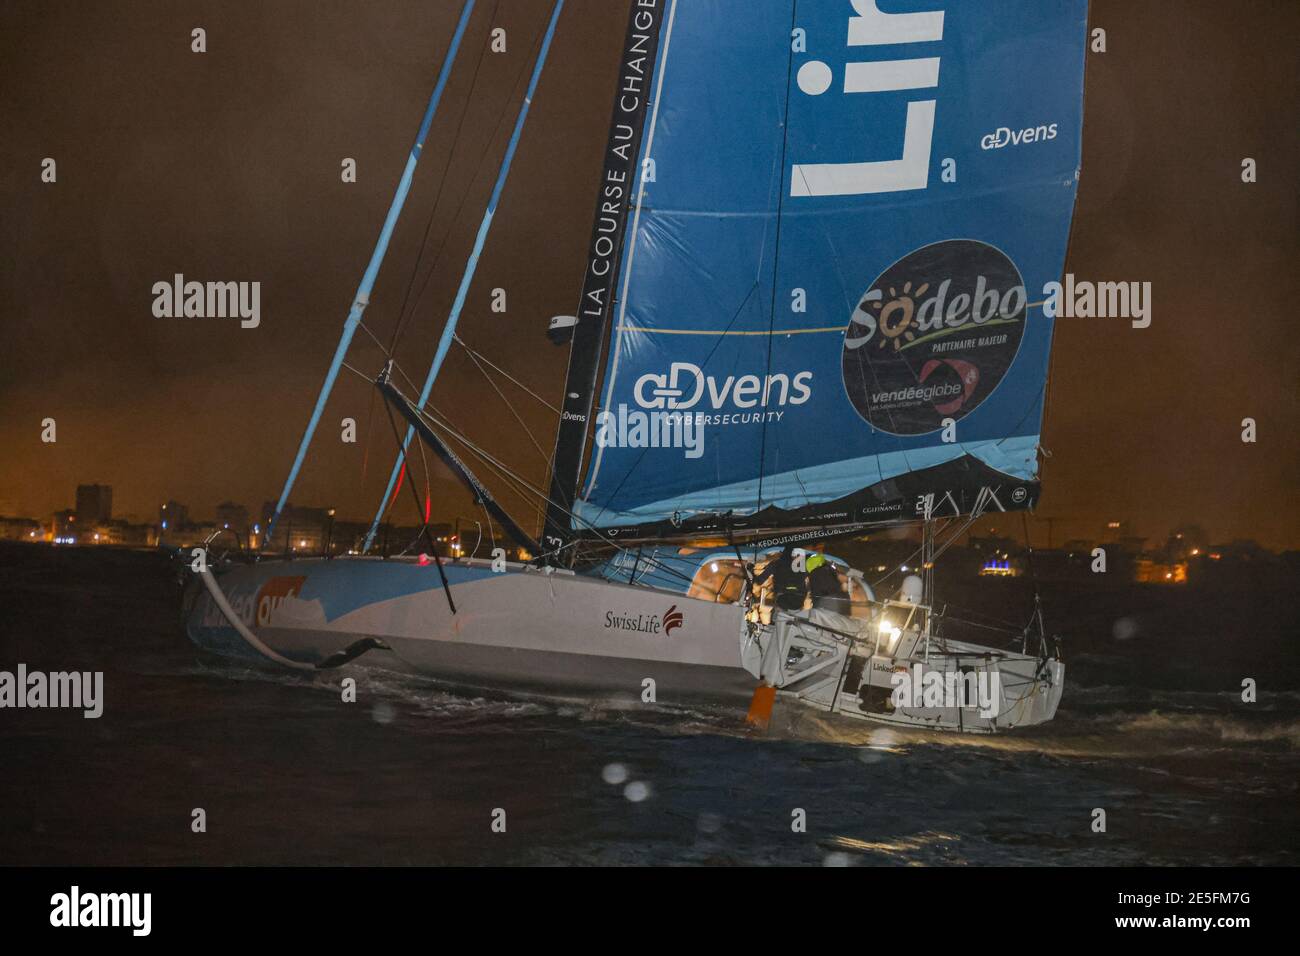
933	336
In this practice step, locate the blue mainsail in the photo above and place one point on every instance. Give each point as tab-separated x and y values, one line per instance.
846	214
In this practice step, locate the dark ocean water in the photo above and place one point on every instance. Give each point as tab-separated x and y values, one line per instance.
1151	729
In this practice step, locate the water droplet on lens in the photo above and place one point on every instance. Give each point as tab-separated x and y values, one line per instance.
1125	629
636	791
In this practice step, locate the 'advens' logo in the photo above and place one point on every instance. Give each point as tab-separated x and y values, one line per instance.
1003	136
686	385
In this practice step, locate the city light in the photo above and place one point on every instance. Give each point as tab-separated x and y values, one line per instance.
995	567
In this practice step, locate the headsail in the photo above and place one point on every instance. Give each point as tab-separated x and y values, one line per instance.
837	264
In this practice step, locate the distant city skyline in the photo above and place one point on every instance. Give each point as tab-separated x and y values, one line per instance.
1046	531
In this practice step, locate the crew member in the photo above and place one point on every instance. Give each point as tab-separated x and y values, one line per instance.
827	592
790	586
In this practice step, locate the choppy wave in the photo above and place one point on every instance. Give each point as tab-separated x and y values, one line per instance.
1205	726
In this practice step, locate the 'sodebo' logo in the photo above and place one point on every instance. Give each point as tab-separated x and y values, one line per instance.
933	336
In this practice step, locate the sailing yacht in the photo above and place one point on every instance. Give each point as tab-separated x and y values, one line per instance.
816	270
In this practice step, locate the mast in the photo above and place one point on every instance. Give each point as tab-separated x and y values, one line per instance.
604	261
362	298
458	305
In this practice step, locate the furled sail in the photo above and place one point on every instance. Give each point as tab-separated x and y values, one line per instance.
830	307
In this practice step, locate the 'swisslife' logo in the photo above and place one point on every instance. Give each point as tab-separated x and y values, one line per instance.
663	624
933	336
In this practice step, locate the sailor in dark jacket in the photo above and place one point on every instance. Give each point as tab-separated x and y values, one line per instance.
789	584
827	592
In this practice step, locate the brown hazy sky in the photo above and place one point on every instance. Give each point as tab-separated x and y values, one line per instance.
226	166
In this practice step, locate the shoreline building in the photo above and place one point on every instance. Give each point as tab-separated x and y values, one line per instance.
94	505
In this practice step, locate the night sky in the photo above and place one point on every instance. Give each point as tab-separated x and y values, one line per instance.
225	166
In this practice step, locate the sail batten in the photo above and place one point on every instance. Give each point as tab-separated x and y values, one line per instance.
920	167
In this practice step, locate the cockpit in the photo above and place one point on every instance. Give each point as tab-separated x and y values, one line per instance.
723	576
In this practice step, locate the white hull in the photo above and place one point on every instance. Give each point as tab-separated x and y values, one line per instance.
563	634
520	629
838	665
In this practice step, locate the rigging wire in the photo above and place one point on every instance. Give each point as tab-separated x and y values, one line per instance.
424	526
517	483
540	44
501	118
776	248
424	530
424	461
492	534
506	401
402	313
474	352
477	357
518	418
401	371
721	338
442	182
